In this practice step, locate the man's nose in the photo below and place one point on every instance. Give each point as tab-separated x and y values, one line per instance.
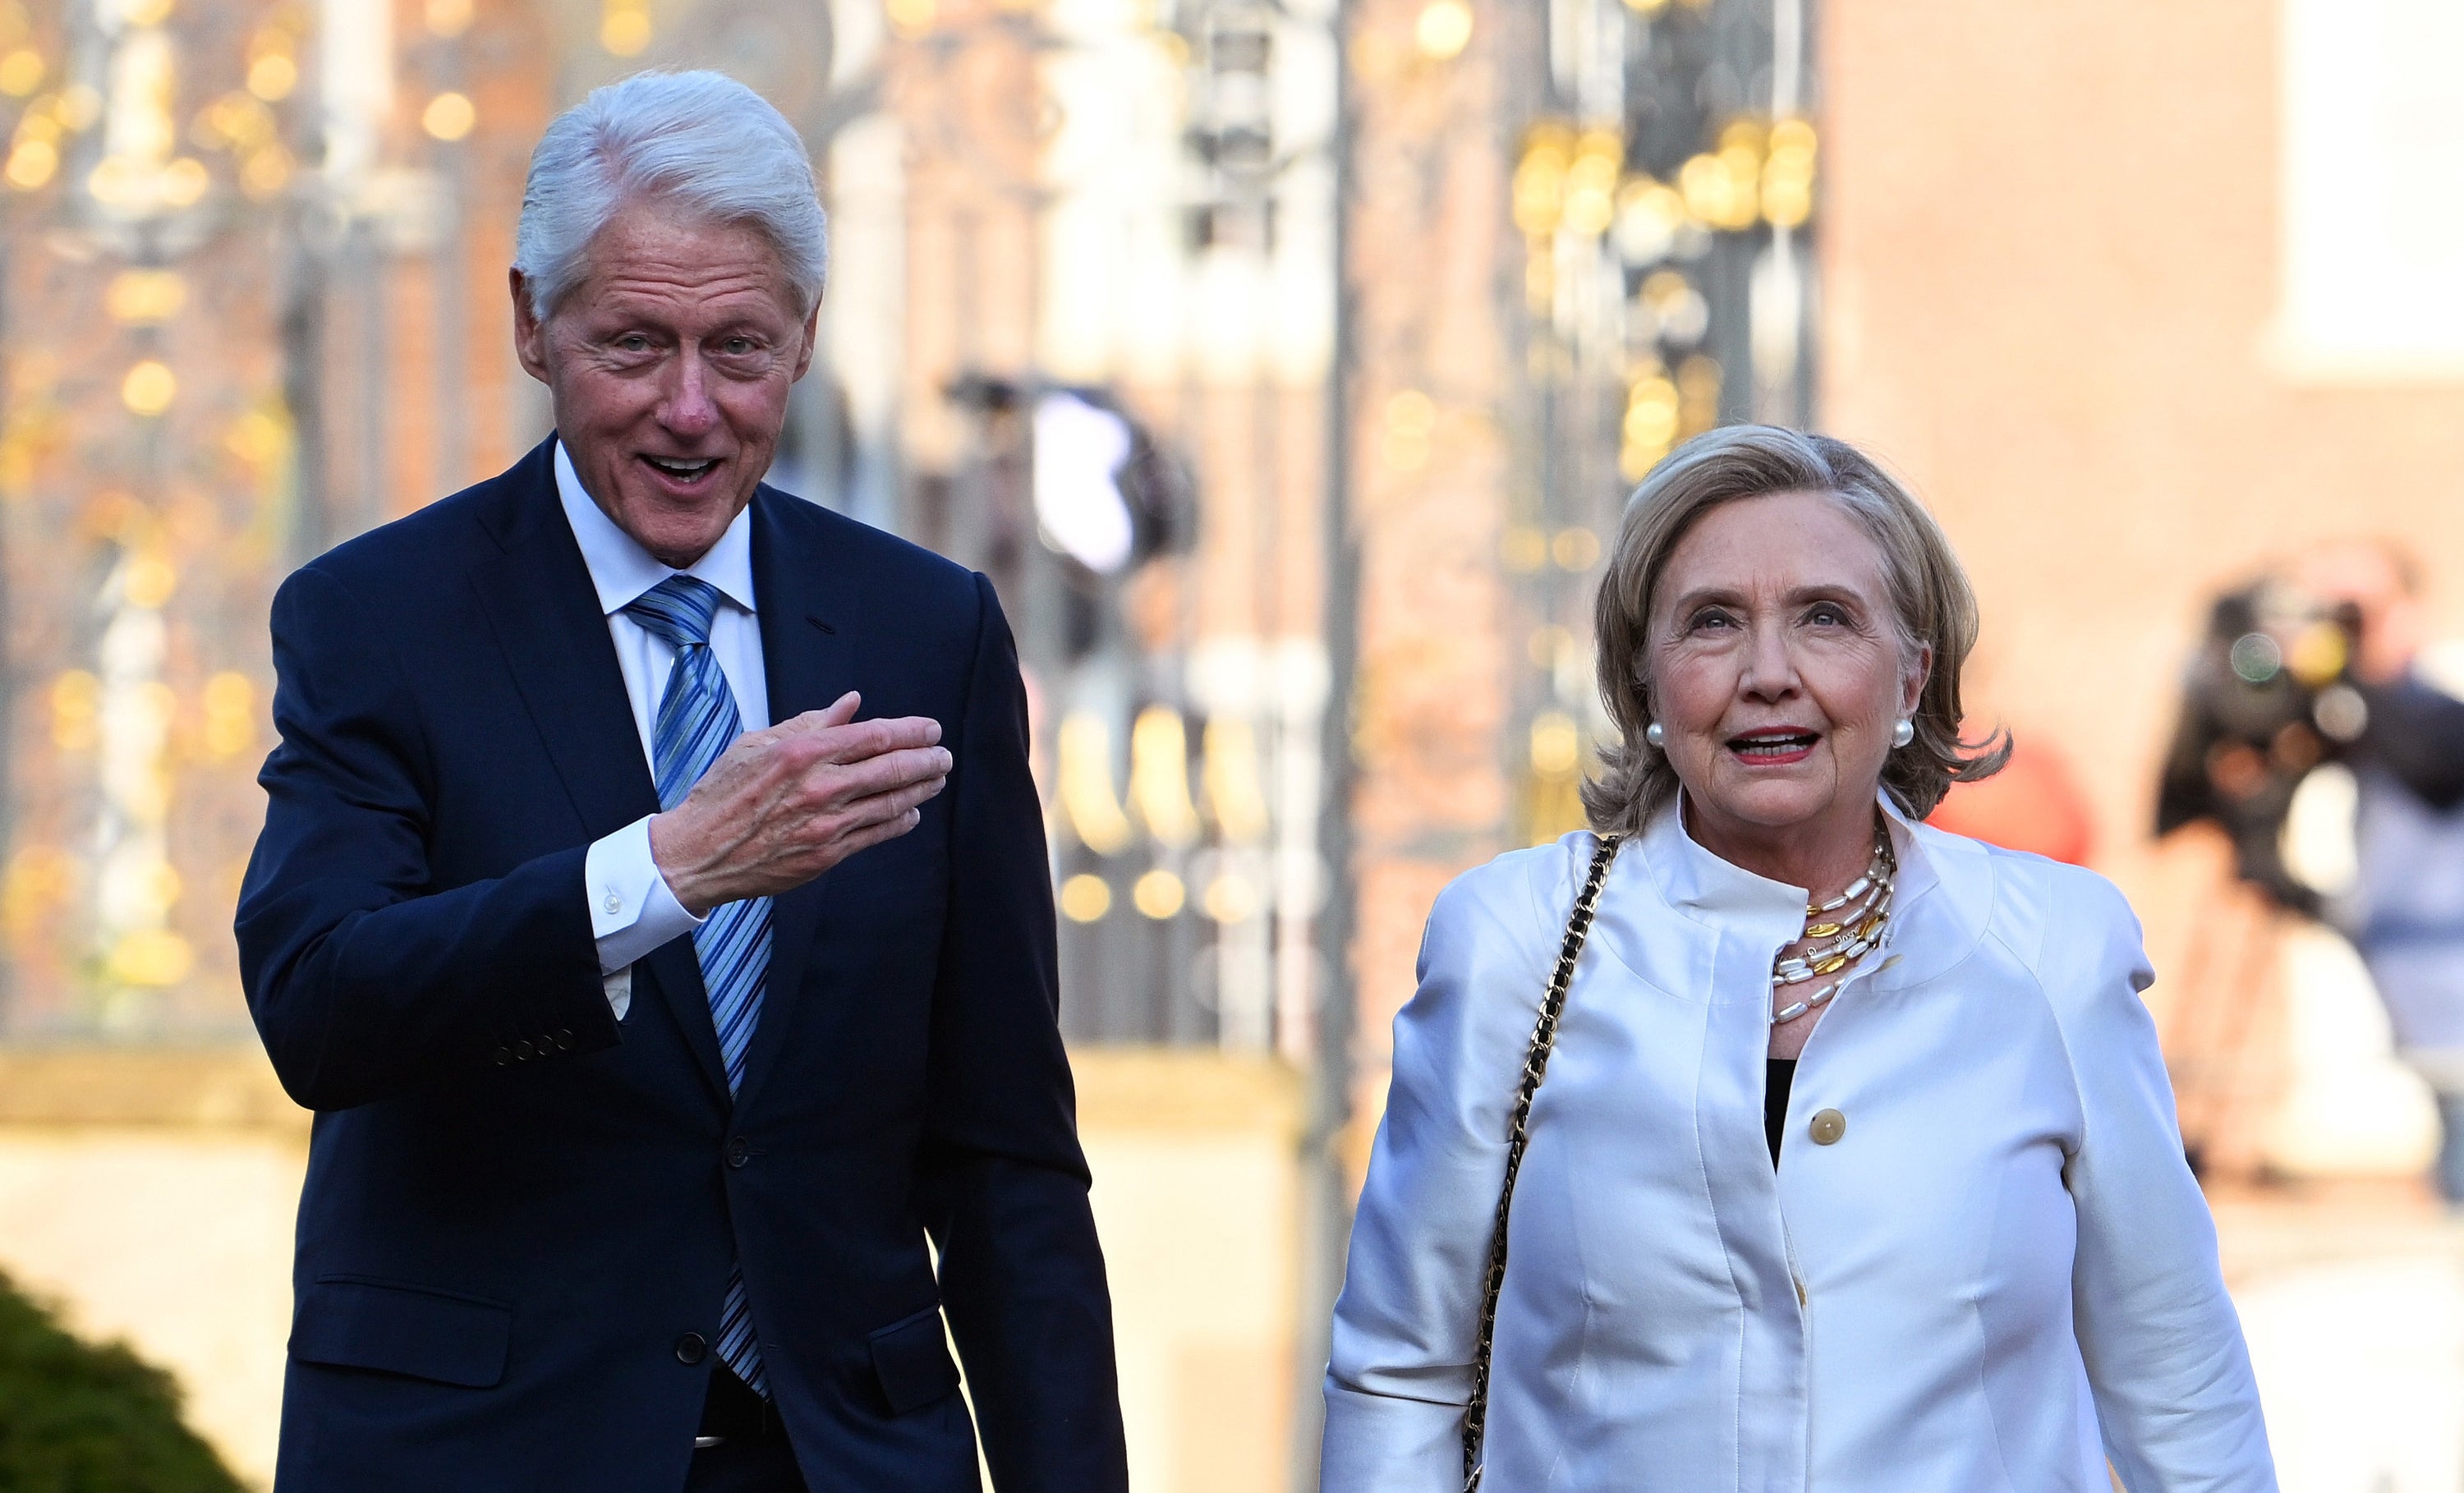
689	410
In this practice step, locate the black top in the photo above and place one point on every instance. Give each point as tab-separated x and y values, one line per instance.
1782	1073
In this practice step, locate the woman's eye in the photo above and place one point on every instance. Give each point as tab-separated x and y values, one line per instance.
1711	621
1828	616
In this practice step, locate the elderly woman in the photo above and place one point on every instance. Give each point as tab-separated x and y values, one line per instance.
1855	1165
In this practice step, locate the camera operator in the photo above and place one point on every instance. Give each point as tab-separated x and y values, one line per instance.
2405	911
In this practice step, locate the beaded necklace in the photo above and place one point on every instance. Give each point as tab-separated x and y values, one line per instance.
1853	921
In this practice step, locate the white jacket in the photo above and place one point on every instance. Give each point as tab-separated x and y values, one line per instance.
2001	1274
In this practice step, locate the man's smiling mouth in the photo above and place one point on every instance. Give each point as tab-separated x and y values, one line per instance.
681	470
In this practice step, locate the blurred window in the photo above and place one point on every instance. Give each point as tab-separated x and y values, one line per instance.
2373	227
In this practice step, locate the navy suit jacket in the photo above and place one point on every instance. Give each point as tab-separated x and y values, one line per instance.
520	1213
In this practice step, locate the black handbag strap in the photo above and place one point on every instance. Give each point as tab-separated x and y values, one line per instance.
1535	1065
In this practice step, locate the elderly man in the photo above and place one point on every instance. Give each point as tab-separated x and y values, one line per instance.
652	905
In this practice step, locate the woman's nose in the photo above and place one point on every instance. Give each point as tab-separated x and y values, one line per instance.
1771	669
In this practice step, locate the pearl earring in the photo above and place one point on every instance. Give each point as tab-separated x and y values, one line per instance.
1656	736
1903	732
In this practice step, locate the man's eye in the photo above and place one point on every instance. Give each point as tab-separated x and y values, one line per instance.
633	343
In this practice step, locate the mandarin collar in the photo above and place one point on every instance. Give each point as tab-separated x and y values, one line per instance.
620	570
1720	892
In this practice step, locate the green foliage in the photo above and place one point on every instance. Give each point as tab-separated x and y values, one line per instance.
76	1417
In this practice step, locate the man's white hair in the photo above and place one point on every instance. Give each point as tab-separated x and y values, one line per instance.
700	141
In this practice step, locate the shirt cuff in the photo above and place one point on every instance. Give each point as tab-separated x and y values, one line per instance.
632	910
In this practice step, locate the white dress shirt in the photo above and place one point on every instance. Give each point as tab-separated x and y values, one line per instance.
632	910
1999	1274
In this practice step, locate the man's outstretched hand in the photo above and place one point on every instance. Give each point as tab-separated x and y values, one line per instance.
782	805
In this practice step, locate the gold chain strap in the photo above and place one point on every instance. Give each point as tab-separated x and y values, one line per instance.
1535	1064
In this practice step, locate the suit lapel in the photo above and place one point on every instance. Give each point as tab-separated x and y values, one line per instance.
809	665
539	598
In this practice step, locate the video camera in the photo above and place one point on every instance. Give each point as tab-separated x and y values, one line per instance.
2267	697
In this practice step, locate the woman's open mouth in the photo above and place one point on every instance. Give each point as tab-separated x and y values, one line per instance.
1776	747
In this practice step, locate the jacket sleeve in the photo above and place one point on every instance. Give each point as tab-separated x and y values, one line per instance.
1400	1362
2161	1342
365	980
1003	1181
2416	732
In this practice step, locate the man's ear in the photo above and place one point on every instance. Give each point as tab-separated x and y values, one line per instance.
812	331
530	332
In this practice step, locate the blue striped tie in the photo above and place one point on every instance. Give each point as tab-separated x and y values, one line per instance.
696	721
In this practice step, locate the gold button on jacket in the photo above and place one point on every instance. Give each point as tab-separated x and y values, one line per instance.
1828	1126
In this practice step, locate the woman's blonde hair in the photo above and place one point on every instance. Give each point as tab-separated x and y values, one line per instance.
1931	600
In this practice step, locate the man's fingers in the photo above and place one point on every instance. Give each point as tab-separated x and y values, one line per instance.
867	739
873	834
860	739
862	835
890	801
877	809
829	718
915	794
891	827
913	765
907	771
842	783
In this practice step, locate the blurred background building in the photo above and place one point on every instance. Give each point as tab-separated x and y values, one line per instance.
1284	363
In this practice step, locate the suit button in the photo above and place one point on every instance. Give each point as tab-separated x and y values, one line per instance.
738	1151
504	1055
564	1039
692	1347
524	1051
1828	1126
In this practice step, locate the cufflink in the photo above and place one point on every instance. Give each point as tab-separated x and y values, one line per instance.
615	903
